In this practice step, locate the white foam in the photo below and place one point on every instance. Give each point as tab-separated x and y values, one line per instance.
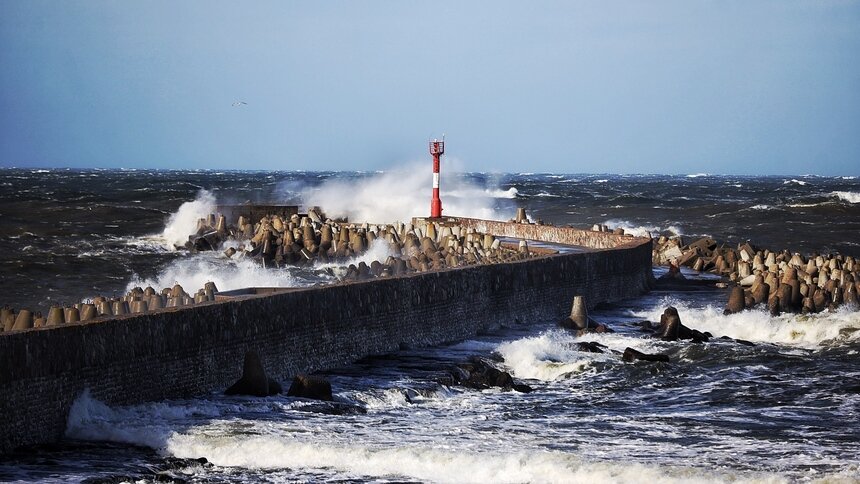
762	207
643	230
184	222
794	181
554	354
402	194
850	197
804	331
227	274
806	205
441	464
90	419
547	357
698	175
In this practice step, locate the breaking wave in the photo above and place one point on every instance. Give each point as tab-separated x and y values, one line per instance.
806	331
183	222
850	197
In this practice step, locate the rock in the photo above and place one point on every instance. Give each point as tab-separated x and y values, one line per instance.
594	328
480	374
631	355
590	347
315	388
670	324
254	381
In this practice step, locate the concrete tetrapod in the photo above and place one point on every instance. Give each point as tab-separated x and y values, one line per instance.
254	381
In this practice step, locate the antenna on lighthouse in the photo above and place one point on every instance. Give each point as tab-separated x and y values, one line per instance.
437	148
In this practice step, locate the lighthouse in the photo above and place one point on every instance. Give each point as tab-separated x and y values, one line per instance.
437	147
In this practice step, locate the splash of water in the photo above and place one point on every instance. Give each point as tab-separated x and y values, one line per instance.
183	222
403	193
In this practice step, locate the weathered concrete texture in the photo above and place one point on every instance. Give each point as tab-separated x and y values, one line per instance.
545	233
189	351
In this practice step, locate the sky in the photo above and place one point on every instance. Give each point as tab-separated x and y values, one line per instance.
728	87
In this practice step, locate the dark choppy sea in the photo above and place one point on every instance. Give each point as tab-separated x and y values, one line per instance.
786	409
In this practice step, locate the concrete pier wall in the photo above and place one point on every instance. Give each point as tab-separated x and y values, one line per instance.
184	352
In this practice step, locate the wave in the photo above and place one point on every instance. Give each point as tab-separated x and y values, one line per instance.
226	442
643	230
601	181
762	207
549	356
698	175
850	197
402	194
805	331
547	195
227	274
554	354
183	222
434	464
806	205
795	181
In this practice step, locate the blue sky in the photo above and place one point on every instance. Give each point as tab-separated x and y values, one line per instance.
603	87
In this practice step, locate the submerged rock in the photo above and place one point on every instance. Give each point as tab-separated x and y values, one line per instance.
631	355
590	346
315	388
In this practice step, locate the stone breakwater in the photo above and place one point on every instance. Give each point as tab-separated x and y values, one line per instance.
781	280
279	240
189	350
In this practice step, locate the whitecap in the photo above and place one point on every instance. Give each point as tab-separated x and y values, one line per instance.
850	197
183	222
804	331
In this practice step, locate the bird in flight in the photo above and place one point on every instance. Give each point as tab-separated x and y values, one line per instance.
239	103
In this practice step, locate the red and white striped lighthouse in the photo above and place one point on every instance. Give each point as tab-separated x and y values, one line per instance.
437	147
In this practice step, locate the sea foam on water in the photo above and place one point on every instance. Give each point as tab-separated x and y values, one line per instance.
757	325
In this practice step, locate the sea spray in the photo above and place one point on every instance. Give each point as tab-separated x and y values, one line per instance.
227	274
183	222
555	354
402	194
850	197
643	230
801	330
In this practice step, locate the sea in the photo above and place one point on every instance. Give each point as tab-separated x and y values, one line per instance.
783	408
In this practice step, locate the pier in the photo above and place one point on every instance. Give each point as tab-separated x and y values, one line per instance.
181	352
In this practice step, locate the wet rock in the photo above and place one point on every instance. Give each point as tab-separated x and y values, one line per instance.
254	381
631	355
315	388
478	373
595	328
670	325
590	346
736	302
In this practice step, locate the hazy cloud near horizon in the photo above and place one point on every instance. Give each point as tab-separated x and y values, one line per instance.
770	87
